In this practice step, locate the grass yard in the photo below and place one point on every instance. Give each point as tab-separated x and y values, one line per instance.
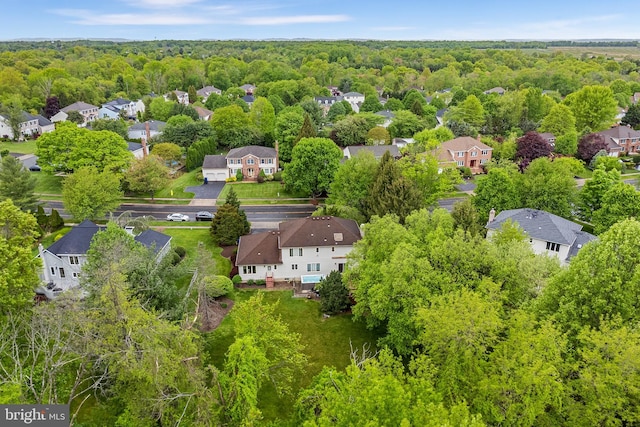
269	192
48	184
189	238
177	185
326	341
23	147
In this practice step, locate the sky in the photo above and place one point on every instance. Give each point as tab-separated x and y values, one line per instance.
315	19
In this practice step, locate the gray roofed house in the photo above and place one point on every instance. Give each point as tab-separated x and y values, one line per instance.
377	150
388	117
136	149
214	161
208	90
251	150
499	90
138	130
62	261
547	233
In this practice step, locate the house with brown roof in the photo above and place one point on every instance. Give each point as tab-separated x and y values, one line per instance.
464	151
621	139
303	250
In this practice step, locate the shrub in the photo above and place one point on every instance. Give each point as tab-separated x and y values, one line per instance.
236	280
239	175
217	286
261	176
231	179
224	305
55	221
175	258
251	282
277	176
261	282
180	251
466	172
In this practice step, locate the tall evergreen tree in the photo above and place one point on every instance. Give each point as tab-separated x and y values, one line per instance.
307	130
392	193
17	184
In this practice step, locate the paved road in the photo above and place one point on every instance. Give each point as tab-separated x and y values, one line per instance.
255	214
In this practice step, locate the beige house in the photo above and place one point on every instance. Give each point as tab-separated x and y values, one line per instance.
464	151
621	139
87	111
250	160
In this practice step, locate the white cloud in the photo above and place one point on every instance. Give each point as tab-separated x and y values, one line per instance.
295	19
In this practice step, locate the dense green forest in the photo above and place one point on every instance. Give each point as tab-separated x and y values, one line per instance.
460	330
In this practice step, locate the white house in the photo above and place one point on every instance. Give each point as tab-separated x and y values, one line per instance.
139	130
30	126
183	97
136	149
62	261
548	233
388	117
303	250
214	168
118	108
355	99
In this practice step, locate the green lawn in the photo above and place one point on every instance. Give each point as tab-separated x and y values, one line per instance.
268	192
48	184
189	238
327	343
177	185
23	147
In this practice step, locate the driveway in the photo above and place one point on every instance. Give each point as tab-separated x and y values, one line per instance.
206	191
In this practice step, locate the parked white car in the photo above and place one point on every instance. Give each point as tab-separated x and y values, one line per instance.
177	217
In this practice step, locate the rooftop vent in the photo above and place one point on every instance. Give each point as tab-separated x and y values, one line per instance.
338	237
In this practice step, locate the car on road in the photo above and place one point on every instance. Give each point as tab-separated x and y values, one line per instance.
204	216
177	217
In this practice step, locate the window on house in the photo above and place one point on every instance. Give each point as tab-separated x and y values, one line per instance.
53	271
333	249
75	275
553	246
460	163
460	153
299	251
313	267
485	152
474	153
270	161
73	260
262	161
317	250
294	266
250	161
483	161
62	273
248	269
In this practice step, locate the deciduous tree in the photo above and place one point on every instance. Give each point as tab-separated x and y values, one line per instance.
18	273
530	147
89	194
147	175
618	203
314	162
594	107
589	145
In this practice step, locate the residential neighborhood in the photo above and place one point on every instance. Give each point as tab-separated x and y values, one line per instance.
279	232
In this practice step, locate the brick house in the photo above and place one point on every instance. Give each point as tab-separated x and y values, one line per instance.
464	151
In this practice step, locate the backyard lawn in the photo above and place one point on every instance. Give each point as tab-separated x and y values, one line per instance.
24	147
266	192
189	238
327	342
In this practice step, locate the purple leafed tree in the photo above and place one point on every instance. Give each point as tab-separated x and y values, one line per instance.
530	147
51	107
589	145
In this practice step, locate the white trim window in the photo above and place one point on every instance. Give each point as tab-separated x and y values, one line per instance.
460	163
313	267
